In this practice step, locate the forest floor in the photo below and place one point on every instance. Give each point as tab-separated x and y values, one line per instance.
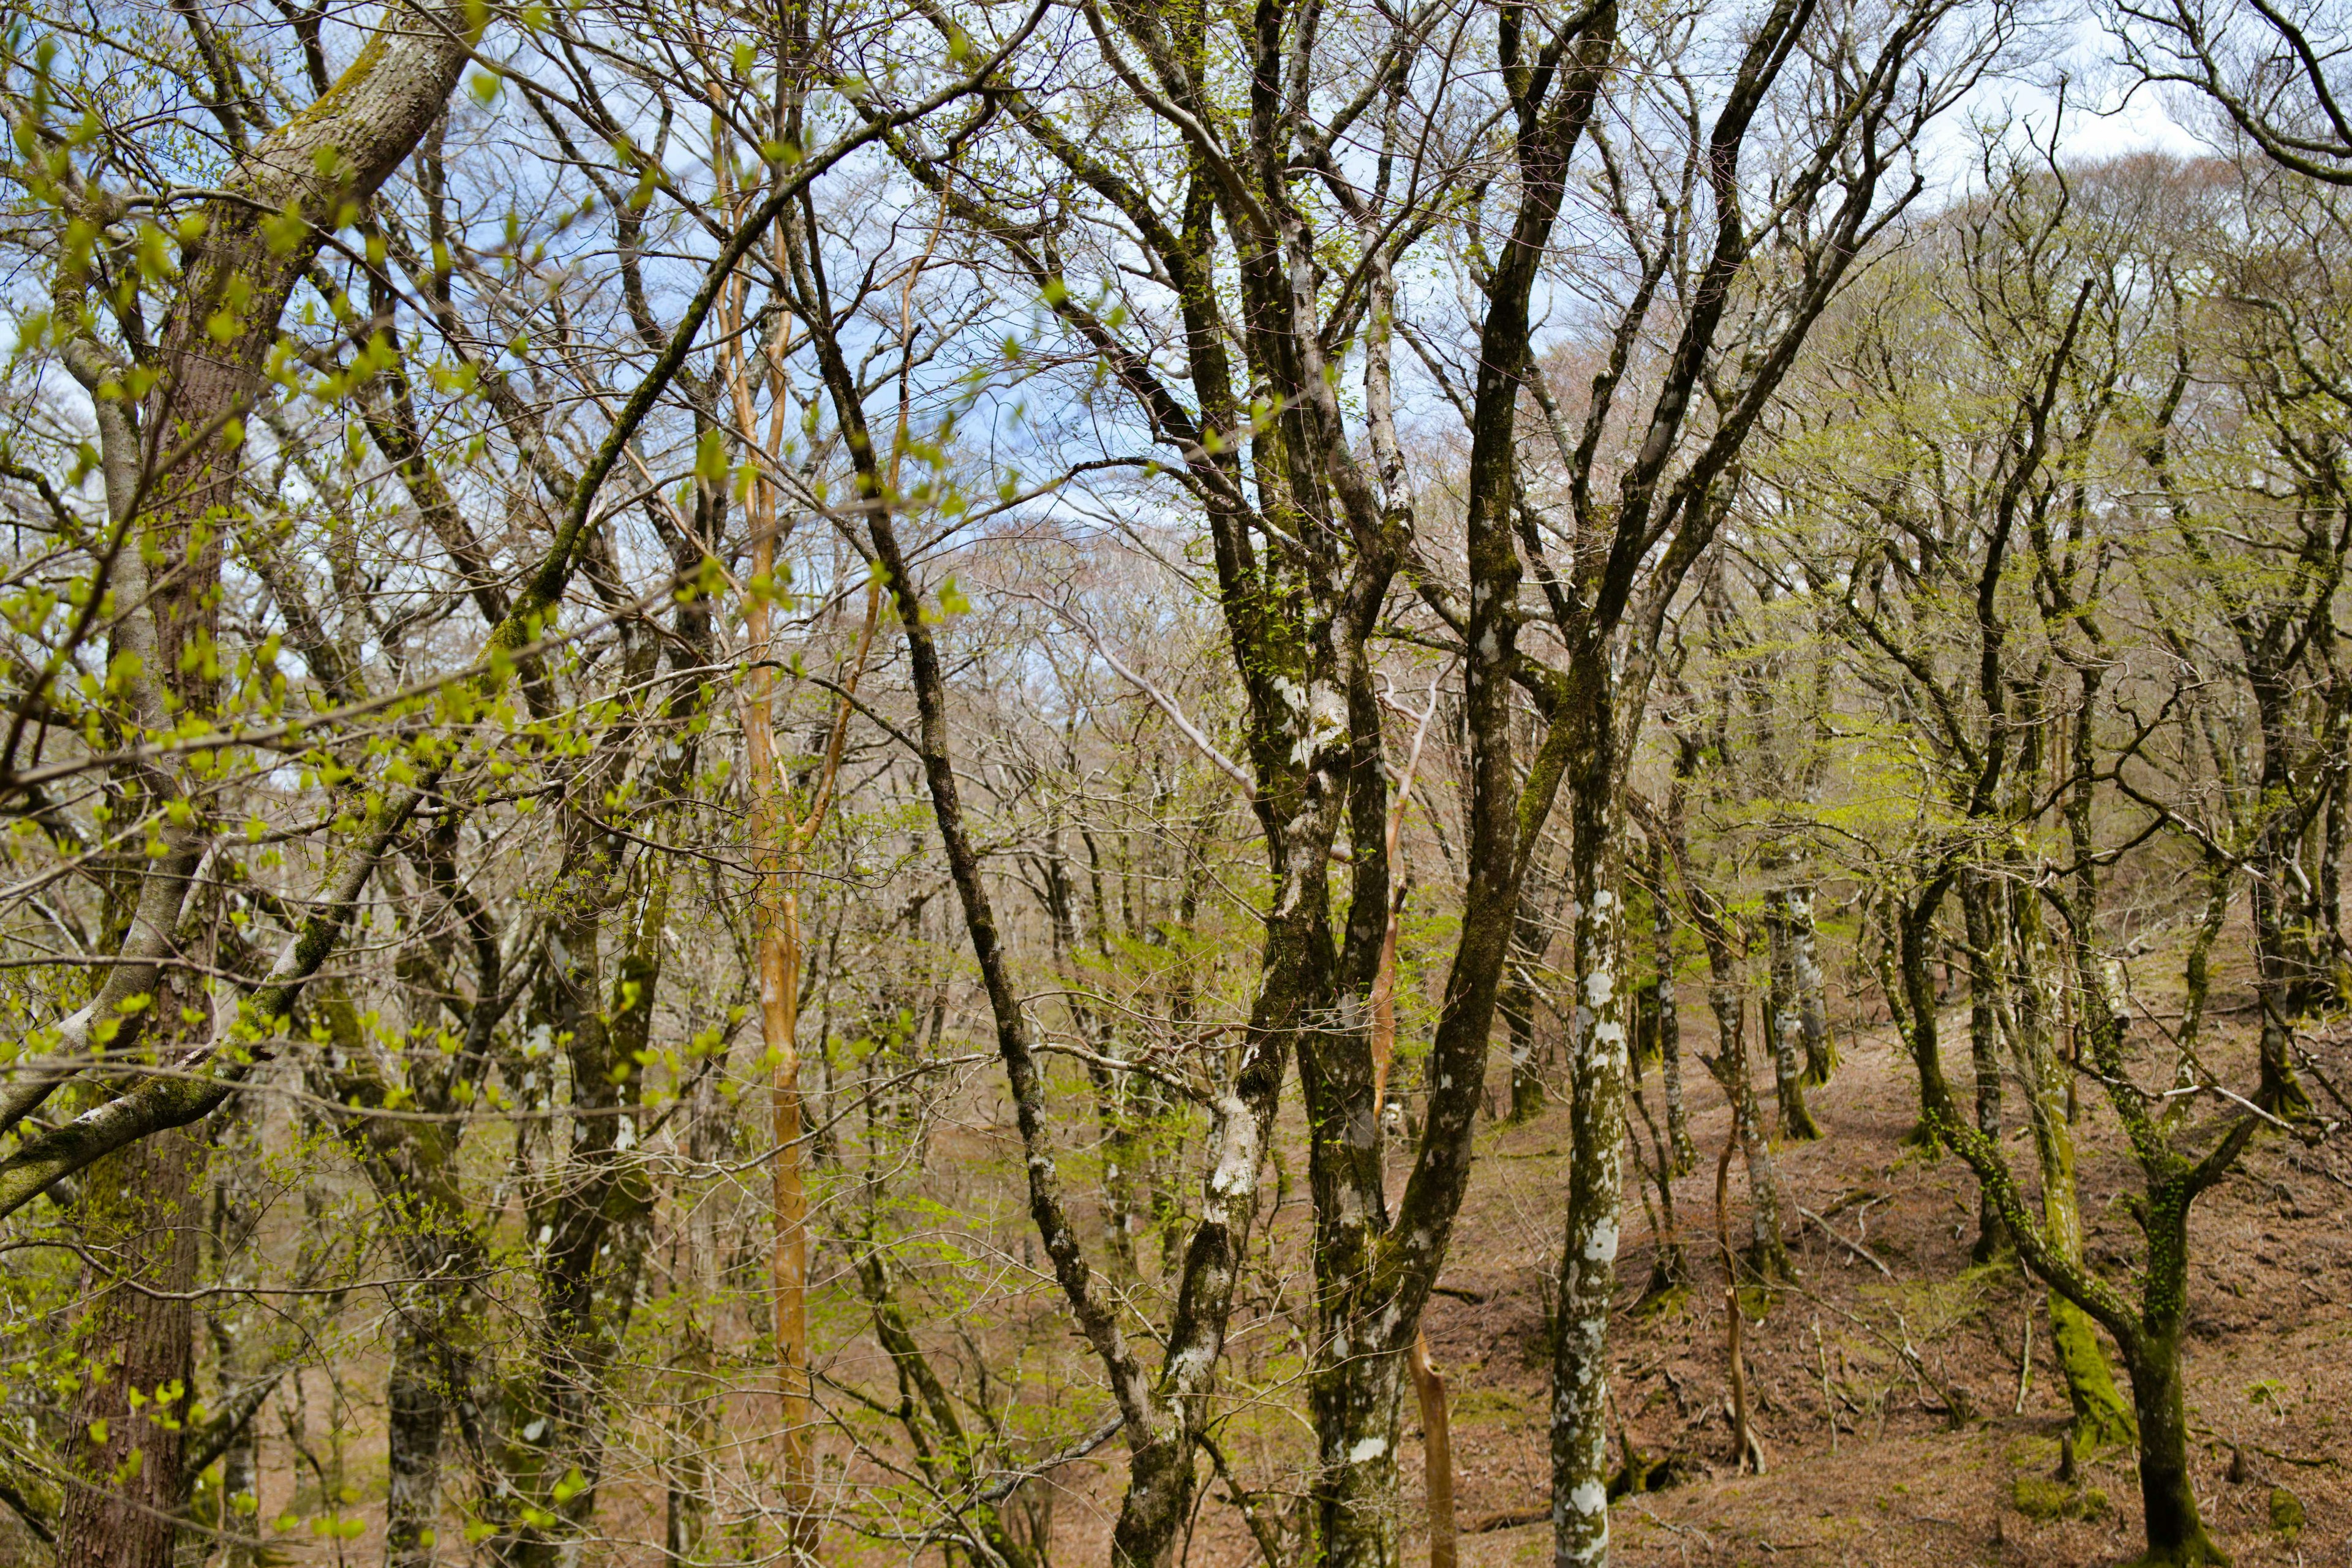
1900	1477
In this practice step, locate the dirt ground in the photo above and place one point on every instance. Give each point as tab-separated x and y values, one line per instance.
1899	1478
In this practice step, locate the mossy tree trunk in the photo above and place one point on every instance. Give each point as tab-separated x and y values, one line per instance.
2102	1420
2176	1528
2147	1335
1978	896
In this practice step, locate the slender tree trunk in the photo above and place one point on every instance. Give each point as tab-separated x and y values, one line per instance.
776	907
1356	1382
1670	1269
2328	953
944	1449
240	1478
1909	986
1813	1002
2283	958
788	1199
1784	1022
1429	1386
1437	1454
692	1435
2197	984
1746	1451
1517	1003
2277	964
412	1165
1683	1153
593	1207
1768	1250
780	833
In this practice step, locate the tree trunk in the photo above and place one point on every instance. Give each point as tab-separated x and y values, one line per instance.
2282	960
140	1210
1768	1250
1812	1003
594	1207
1429	1388
417	1404
2197	980
1517	1003
779	938
1588	1273
2176	1530
1913	991
1669	1270
1683	1151
2101	1418
1784	1022
1356	1404
2278	976
413	1166
1977	898
1437	1453
2338	966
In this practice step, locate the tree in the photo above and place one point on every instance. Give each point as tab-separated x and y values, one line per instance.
1740	302
2272	71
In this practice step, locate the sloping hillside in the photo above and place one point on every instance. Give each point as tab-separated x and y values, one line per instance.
1901	1477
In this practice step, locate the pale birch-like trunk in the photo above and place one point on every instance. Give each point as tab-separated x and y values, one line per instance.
1785	1021
1599	1066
